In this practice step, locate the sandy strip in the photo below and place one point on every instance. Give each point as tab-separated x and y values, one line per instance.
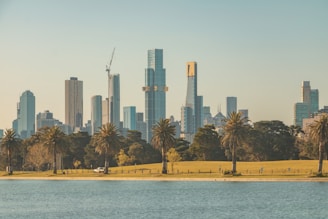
230	179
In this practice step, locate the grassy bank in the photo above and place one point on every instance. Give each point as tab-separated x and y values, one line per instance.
196	169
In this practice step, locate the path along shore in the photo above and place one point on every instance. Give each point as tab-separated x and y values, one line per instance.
223	179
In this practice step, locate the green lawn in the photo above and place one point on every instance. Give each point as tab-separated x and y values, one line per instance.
197	169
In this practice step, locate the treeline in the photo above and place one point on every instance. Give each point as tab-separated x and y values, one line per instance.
265	141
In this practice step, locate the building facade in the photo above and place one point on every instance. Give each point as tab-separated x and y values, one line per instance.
231	105
155	90
96	113
114	102
74	103
129	117
26	115
301	111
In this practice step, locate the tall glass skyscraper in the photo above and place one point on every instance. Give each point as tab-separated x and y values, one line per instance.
96	113
114	99
314	94
129	117
74	103
155	90
26	115
231	105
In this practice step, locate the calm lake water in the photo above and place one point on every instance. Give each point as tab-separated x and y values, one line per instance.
161	199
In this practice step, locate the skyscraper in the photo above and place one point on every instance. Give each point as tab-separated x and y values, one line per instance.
114	99
306	92
96	113
314	95
231	105
129	117
74	103
155	90
105	111
301	111
26	115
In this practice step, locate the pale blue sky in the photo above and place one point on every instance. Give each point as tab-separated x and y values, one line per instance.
259	51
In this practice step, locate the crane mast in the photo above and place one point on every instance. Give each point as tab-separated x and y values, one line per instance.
110	63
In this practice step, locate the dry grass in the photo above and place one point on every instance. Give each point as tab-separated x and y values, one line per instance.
196	169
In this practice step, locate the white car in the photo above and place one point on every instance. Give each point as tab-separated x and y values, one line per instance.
99	170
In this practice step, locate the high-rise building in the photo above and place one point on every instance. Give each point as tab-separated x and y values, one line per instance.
129	117
155	90
114	99
46	119
314	95
141	126
74	103
96	113
306	92
231	105
244	113
190	125
105	111
26	115
301	111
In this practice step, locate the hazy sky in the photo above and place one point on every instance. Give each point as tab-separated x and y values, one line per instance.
259	51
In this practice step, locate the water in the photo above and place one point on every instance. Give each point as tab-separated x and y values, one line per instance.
160	199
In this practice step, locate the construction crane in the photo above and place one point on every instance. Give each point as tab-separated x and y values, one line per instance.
110	63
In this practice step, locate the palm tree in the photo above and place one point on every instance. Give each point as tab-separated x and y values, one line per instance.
106	142
319	133
55	140
10	142
234	135
163	138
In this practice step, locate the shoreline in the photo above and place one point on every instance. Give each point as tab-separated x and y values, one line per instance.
177	179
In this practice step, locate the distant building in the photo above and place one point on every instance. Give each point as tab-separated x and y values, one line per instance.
1	133
114	100
155	90
141	126
129	117
74	103
231	105
26	115
314	101
105	111
301	111
46	119
177	126
244	113
96	113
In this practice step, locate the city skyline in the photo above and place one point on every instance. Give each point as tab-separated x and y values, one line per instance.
256	51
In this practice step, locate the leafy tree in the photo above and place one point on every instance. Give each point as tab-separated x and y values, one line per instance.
235	131
276	140
173	156
319	133
106	142
10	143
37	156
182	147
76	151
163	138
123	159
206	144
56	142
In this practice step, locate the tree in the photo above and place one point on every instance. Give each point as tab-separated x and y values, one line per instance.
319	133
123	159
55	140
10	143
206	144
235	131
163	138
106	142
173	156
37	156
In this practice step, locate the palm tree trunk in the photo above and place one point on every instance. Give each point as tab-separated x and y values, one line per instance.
106	165
55	160
234	162
164	161
10	169
320	158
